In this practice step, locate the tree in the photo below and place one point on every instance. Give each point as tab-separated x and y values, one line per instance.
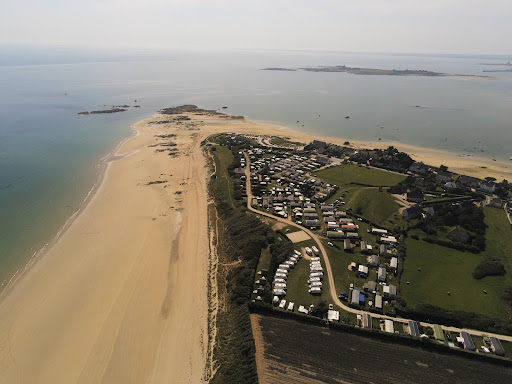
320	310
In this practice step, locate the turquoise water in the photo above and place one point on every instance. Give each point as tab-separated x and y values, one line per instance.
49	155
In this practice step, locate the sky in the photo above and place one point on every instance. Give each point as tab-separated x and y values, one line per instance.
429	26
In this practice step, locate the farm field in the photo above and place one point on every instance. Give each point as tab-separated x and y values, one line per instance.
308	354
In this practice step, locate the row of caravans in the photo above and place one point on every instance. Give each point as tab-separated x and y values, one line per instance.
316	275
281	276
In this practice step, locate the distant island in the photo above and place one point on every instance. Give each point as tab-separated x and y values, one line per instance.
377	71
507	64
497	70
114	109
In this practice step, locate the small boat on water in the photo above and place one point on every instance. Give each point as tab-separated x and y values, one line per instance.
347	117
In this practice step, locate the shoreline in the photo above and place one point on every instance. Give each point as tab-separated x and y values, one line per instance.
123	279
463	164
101	170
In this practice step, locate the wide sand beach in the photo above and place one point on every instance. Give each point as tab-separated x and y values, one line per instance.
122	295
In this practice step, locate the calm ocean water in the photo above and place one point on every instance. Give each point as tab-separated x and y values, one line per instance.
49	155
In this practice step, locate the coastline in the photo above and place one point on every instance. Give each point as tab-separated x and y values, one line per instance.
123	284
102	167
121	293
463	164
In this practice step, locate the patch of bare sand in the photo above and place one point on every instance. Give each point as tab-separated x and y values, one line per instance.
297	237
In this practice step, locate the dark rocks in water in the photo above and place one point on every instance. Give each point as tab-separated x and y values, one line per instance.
112	110
279	69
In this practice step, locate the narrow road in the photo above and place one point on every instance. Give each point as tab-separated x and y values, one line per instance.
330	277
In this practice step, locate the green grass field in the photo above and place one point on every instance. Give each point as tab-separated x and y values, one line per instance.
223	158
376	206
446	270
349	173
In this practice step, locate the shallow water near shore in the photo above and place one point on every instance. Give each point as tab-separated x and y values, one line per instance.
49	155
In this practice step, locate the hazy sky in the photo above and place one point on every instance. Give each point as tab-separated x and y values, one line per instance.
432	26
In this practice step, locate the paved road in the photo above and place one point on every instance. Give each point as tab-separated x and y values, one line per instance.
332	287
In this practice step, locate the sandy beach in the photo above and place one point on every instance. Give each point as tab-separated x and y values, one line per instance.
122	297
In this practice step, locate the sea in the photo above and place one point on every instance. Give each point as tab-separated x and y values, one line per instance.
51	157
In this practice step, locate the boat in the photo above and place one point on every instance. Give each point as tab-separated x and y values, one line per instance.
347	117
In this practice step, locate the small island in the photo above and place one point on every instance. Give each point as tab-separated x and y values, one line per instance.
378	71
113	109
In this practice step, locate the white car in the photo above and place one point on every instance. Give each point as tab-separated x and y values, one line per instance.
330	244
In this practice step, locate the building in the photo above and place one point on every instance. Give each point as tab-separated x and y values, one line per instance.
364	247
335	235
312	223
496	347
418	168
354	298
496	202
333	315
415	196
367	321
370	286
467	341
388	240
438	332
458	234
349	227
488	187
393	264
381	274
346	245
322	160
362	271
388	326
383	250
352	235
378	301
389	291
320	145
379	231
468	181
413	328
412	213
373	261
444	177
